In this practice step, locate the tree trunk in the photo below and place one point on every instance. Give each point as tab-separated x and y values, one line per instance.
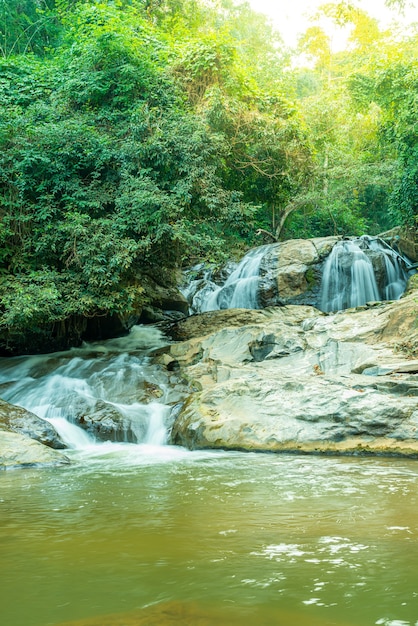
293	206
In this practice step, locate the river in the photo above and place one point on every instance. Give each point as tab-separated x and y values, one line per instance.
145	534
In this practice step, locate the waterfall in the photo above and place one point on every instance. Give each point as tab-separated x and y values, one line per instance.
240	290
361	270
109	388
357	271
396	268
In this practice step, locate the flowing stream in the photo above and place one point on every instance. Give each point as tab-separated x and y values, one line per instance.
151	534
113	379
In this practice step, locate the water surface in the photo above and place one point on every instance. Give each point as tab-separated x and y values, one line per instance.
132	533
139	534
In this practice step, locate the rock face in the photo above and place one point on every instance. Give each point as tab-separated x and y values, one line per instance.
296	380
291	271
404	239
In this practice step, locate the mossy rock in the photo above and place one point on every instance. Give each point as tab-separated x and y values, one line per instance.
310	277
412	284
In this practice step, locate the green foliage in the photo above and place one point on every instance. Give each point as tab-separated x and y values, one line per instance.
140	135
325	219
404	199
28	26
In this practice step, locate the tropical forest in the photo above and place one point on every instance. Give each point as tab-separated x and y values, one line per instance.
208	313
139	137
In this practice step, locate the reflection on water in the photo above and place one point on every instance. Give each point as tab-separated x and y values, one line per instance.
158	535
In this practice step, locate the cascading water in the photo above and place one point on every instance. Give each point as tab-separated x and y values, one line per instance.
361	270
240	289
358	270
396	268
106	387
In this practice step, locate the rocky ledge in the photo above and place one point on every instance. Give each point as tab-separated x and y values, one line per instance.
292	379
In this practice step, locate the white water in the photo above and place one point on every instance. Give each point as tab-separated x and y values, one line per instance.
240	290
111	380
396	274
73	436
349	279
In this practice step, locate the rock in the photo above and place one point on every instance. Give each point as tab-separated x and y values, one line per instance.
26	440
291	271
19	420
182	613
164	297
108	326
129	423
108	422
103	421
20	451
212	321
292	379
412	284
404	239
267	410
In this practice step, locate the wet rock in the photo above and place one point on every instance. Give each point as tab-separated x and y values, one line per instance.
291	271
103	421
19	420
107	422
20	451
108	326
124	422
292	379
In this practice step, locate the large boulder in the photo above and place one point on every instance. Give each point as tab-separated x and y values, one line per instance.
296	380
26	440
19	420
291	271
20	451
268	410
404	239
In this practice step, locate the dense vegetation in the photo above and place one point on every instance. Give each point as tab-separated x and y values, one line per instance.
137	136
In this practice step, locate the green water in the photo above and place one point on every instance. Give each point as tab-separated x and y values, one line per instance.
222	538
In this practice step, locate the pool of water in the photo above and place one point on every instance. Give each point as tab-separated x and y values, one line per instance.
139	534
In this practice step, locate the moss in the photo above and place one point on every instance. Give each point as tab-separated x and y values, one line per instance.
412	284
310	277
